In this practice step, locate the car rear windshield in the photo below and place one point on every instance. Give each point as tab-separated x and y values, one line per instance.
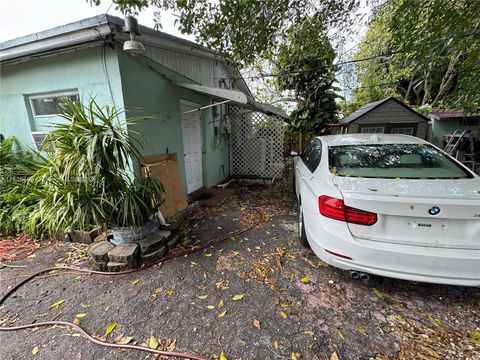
405	161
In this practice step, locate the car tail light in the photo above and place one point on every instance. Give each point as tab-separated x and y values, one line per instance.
334	208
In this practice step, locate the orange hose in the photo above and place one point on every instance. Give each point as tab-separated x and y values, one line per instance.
16	249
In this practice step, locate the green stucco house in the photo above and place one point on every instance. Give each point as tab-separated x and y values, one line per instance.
203	109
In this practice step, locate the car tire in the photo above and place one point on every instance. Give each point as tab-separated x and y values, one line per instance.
302	236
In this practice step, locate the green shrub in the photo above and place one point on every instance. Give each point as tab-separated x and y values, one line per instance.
86	179
15	167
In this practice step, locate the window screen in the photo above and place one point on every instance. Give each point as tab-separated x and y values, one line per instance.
39	140
373	130
404	131
46	105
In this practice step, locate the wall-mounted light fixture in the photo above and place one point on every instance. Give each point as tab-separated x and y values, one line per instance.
132	46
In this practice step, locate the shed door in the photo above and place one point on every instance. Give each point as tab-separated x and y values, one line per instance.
192	145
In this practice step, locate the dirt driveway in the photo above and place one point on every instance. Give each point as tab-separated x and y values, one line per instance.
289	305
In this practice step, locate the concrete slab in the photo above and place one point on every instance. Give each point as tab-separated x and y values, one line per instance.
154	242
116	267
154	256
125	253
98	252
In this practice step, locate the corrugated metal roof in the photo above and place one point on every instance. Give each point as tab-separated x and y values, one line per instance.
451	114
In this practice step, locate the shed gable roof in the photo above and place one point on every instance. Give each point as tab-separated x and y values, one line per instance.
374	105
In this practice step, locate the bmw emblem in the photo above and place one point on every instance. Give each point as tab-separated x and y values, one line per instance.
434	210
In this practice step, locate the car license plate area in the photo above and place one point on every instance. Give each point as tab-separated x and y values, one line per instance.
450	233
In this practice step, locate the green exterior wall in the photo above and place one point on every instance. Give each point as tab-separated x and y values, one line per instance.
148	87
132	83
449	125
443	127
81	70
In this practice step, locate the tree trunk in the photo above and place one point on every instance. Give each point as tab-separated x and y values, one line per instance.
426	89
447	78
409	89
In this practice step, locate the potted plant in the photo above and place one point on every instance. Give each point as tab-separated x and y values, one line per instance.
87	180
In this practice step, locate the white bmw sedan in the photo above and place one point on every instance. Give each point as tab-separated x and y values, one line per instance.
389	205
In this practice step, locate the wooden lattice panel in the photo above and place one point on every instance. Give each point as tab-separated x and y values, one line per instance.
256	144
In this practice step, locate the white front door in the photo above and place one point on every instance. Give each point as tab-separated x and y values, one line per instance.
192	145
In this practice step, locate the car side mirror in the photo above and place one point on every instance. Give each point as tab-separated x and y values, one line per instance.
294	153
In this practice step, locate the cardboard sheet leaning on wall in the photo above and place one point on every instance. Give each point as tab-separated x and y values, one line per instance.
164	167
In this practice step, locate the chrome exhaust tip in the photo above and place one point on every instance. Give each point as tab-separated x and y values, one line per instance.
354	274
364	277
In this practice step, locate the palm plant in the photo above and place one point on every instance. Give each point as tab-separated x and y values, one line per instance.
87	180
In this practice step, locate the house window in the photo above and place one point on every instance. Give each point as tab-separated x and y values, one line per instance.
403	131
373	130
49	104
39	140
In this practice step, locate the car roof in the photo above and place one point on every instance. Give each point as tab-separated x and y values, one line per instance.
370	139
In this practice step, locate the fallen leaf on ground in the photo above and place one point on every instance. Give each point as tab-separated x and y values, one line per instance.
122	339
474	335
207	254
220	304
377	292
171	344
57	304
33	256
35	350
238	297
169	292
434	321
256	323
81	315
152	342
334	356
275	344
222	356
110	328
202	297
211	307
222	314
304	280
284	315
135	282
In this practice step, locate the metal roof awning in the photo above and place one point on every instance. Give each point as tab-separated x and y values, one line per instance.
237	97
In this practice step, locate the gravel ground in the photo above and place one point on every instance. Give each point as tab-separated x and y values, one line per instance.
291	306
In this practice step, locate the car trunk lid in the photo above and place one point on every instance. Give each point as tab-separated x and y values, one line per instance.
407	210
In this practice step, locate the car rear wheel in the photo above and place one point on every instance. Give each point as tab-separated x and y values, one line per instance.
302	236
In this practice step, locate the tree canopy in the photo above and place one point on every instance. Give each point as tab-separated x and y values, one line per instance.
288	37
424	52
244	30
304	65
